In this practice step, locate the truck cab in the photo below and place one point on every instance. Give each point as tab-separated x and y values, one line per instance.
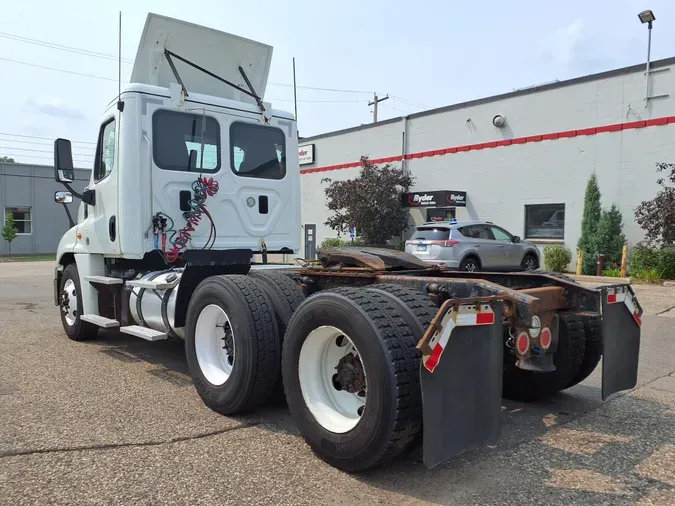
189	143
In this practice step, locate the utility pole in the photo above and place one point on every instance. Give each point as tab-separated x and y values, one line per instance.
374	104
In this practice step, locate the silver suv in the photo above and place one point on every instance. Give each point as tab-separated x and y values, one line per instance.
472	246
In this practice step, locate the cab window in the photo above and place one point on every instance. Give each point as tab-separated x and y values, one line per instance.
257	151
175	134
105	151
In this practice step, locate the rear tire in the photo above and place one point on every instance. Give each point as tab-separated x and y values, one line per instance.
392	414
285	296
70	304
593	353
530	263
520	385
231	311
470	264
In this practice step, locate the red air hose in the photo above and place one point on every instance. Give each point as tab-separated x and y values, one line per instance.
202	188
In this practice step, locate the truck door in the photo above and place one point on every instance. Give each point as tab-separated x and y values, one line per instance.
100	227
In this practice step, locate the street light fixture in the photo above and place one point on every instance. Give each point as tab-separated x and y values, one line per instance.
647	16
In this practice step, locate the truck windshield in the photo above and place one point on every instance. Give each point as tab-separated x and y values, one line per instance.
431	234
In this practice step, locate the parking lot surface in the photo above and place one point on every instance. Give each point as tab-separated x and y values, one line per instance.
117	421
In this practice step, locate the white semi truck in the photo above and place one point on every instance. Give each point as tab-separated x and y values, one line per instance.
373	350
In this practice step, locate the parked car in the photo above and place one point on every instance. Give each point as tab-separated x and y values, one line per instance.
472	246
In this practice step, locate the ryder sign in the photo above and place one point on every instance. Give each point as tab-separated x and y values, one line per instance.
306	154
440	198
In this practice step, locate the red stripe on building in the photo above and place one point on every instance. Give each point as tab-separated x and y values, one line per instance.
507	142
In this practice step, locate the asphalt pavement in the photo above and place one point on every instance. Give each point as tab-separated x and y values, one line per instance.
117	421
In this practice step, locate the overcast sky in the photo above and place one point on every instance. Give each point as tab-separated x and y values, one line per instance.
424	54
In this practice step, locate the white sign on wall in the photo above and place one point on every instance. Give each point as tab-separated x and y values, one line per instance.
306	154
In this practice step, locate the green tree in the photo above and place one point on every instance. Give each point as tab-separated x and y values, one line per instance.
589	224
9	231
6	159
609	237
657	216
371	202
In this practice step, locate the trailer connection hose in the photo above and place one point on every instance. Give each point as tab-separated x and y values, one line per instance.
201	188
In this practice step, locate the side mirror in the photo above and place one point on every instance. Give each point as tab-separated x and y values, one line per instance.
63	197
63	161
516	238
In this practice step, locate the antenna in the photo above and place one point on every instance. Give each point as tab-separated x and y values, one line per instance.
120	104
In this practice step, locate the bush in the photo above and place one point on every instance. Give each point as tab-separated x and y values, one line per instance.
665	267
336	242
557	258
612	272
653	264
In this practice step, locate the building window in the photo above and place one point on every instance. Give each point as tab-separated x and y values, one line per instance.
257	151
22	219
545	221
176	134
105	152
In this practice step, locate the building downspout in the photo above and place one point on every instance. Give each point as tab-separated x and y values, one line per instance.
404	142
404	151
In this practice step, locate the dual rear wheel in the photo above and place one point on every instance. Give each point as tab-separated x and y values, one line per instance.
349	365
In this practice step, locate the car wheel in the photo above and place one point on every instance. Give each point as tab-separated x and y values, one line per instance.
530	263
470	264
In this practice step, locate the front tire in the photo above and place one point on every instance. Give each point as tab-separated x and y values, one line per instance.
231	344
530	262
351	374
70	304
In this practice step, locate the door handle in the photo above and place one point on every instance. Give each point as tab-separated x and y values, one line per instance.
500	246
112	229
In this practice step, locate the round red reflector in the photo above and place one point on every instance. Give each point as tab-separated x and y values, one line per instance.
523	343
545	338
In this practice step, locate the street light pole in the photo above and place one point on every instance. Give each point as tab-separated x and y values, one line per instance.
647	17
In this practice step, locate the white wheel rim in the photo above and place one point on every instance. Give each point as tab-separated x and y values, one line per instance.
70	308
338	411
211	344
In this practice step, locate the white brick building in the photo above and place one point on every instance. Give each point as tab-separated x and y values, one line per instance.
537	164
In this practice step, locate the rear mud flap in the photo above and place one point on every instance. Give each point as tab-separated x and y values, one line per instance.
621	314
462	396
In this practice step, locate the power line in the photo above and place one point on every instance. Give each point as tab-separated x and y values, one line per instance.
45	138
61	47
10	148
399	99
36	143
96	54
59	70
115	80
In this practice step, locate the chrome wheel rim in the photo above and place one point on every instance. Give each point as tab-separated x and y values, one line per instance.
69	302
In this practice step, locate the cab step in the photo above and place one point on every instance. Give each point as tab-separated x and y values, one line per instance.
104	280
101	321
144	332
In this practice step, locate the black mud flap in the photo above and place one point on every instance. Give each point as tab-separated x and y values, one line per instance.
462	396
621	314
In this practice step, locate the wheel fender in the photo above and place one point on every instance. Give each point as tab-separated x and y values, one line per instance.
531	251
473	254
